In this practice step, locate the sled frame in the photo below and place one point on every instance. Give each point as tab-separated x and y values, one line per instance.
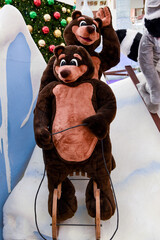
56	225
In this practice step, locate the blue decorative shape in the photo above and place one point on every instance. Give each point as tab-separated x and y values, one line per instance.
0	114
21	141
19	89
3	189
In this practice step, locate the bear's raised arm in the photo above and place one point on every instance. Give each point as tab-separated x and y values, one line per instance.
110	54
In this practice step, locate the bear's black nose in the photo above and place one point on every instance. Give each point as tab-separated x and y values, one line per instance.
90	29
65	73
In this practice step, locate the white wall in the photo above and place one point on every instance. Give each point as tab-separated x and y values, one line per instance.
136	3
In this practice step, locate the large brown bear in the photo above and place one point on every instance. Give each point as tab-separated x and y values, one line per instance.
74	99
87	32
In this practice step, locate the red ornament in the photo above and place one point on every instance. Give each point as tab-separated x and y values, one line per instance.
57	15
45	29
37	3
51	48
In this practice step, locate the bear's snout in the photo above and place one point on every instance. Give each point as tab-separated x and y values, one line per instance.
65	73
90	29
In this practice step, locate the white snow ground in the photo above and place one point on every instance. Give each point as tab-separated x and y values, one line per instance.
136	179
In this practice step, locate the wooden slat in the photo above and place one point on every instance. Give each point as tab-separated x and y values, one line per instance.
77	172
54	215
135	80
118	72
83	174
59	190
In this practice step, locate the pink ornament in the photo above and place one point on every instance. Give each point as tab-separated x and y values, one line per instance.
51	48
45	30
37	3
57	15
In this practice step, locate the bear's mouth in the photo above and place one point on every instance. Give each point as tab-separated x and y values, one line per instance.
86	39
67	80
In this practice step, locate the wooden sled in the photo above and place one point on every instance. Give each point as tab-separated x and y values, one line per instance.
135	81
55	225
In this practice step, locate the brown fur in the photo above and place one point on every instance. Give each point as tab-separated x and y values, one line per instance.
61	105
89	37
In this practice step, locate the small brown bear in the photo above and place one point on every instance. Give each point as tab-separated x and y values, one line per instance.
87	32
75	99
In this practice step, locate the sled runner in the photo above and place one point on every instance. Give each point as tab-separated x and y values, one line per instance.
56	225
135	81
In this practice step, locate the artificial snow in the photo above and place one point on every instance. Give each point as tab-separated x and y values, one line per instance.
21	68
135	140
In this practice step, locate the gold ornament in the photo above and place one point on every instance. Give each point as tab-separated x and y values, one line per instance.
64	10
30	28
41	43
69	19
62	44
68	10
57	33
47	17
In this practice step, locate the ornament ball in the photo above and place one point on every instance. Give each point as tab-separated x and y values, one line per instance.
37	3
63	22
50	2
41	43
45	29
51	48
64	10
57	15
8	1
57	33
47	17
30	28
33	14
69	19
62	44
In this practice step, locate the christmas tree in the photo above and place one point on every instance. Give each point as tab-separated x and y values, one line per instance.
46	20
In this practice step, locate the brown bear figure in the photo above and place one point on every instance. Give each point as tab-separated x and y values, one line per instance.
75	99
87	32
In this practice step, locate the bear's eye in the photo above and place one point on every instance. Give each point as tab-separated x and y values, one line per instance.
82	23
93	25
74	62
63	62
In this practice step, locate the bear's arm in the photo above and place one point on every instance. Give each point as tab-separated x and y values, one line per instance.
48	75
43	117
106	111
110	54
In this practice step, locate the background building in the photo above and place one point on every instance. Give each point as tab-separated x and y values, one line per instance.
126	13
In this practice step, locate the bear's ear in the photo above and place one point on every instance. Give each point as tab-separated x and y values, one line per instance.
58	50
99	21
76	14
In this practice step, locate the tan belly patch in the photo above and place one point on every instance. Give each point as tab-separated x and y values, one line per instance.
73	105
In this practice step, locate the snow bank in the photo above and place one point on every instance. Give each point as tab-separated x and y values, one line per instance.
136	179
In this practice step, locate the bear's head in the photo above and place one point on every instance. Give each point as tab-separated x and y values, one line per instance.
72	63
83	30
